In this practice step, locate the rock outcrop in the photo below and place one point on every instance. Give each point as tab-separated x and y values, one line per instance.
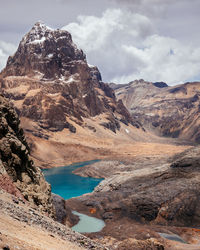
18	175
163	192
64	215
163	110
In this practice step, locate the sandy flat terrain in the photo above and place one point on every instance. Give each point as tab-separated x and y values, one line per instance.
63	148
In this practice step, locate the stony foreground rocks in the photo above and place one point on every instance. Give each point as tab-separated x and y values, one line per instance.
18	175
27	221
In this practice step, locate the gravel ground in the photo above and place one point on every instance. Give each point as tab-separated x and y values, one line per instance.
14	208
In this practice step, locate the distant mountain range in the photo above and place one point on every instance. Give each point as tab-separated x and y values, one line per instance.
164	110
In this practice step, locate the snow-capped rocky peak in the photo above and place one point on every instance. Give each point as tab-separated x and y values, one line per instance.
38	34
48	51
40	27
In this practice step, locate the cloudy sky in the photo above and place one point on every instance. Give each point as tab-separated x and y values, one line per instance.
157	40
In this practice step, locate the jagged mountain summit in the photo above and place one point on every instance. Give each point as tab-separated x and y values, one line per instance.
164	110
50	55
45	52
54	88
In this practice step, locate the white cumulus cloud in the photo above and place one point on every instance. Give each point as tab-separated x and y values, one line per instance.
127	46
164	59
6	49
102	39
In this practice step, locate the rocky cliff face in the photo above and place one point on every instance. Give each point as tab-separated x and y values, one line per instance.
45	51
167	111
18	175
51	78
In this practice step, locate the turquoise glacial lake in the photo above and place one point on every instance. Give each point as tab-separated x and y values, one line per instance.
88	224
68	185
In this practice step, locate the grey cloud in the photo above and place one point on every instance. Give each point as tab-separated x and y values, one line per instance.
22	14
120	54
102	39
135	50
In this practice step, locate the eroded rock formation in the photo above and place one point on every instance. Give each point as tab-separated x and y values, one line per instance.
18	175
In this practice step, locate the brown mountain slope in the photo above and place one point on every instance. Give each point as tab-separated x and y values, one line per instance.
169	111
58	94
67	112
